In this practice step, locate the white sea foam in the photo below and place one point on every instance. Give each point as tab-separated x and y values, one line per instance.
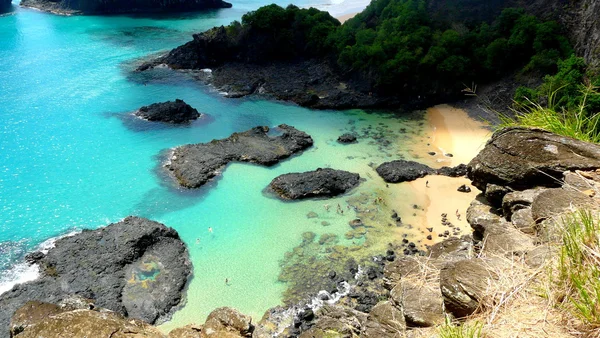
19	273
23	272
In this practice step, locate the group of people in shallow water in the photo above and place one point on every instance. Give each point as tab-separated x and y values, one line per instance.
339	209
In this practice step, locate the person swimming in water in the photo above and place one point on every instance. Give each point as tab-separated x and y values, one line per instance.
210	230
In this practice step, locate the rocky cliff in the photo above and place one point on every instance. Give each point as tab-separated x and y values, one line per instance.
69	7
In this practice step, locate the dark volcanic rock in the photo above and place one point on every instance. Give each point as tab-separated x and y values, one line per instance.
458	171
171	112
401	171
194	164
136	267
321	182
69	7
347	138
245	65
522	158
464	188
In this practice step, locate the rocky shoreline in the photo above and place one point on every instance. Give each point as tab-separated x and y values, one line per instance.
137	268
515	220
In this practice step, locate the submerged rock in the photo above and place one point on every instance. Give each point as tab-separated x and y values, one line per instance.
319	183
136	267
171	112
96	7
347	138
194	164
522	158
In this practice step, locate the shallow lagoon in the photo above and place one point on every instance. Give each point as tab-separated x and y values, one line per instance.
71	157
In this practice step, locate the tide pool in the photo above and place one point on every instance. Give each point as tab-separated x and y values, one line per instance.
72	157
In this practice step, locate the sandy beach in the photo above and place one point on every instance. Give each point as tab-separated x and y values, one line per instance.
343	18
447	131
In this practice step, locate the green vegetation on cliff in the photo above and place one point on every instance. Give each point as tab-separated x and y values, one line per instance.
398	49
566	103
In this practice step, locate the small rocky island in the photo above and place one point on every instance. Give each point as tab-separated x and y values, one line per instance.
193	165
136	267
318	183
402	171
170	112
96	7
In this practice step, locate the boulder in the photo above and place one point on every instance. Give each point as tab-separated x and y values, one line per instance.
194	164
552	202
347	138
226	322
319	183
171	112
523	158
458	171
522	219
463	284
516	200
422	304
398	171
39	319
188	331
498	235
495	193
464	188
97	7
401	171
336	321
384	321
136	267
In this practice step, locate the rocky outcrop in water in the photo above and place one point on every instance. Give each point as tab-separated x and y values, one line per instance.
194	164
136	267
319	183
347	138
403	171
70	7
171	112
522	158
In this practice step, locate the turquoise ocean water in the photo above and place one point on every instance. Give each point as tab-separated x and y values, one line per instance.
72	157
